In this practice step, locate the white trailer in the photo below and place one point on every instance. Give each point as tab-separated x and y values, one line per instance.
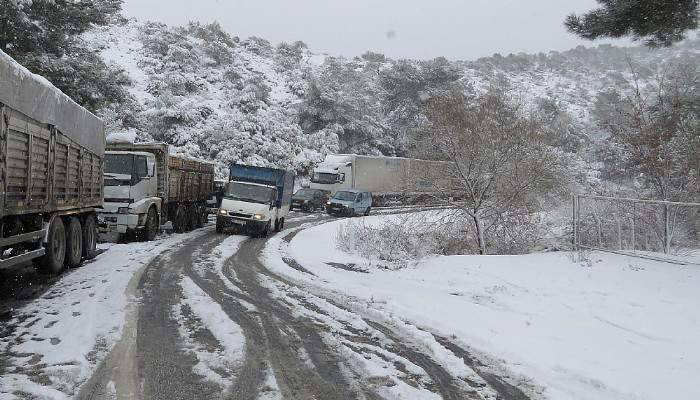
388	178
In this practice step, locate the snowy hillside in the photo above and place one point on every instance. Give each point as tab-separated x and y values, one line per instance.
218	97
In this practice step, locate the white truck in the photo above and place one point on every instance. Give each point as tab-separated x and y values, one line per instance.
389	179
51	155
255	200
145	186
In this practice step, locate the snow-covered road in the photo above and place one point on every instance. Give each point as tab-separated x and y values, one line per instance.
200	316
209	316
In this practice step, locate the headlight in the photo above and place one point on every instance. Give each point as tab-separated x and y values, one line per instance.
223	212
123	210
328	203
258	216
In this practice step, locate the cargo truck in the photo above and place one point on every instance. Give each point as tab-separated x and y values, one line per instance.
256	200
51	160
146	186
389	179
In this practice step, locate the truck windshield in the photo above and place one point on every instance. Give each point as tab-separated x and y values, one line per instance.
324	177
248	193
122	164
345	196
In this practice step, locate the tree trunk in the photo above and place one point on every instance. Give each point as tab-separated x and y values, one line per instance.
479	233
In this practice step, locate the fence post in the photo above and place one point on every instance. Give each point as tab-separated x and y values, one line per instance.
667	233
573	224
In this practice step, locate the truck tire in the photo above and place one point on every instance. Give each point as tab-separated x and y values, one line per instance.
282	223
219	226
265	231
179	219
74	243
193	217
151	229
52	262
367	211
202	217
89	237
277	225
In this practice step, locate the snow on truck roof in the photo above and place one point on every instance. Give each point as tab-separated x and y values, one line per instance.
37	98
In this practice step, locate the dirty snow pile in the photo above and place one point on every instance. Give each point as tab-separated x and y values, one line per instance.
58	340
610	329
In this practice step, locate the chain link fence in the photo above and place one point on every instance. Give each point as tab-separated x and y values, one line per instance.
658	230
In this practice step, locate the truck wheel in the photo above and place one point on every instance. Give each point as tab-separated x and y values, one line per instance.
193	215
282	224
277	225
179	219
52	262
219	226
151	228
265	231
367	211
74	243
202	217
89	238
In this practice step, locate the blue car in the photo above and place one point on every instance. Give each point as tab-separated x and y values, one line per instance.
350	202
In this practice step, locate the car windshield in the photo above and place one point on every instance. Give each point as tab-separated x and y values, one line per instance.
122	164
345	196
248	193
324	177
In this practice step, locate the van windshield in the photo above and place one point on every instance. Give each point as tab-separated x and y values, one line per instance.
345	196
248	193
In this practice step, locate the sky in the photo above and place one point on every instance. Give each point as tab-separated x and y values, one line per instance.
417	29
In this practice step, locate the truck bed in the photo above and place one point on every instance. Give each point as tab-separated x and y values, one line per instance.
44	170
180	179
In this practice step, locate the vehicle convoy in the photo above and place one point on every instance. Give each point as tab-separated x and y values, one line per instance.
389	179
309	199
145	186
256	200
350	203
51	157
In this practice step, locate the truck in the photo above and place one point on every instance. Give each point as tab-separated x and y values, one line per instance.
256	200
51	160
146	186
389	179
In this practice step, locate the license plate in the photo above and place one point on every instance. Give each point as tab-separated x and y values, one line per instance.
237	222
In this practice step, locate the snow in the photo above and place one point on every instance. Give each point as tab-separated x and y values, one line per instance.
128	136
621	328
72	327
213	318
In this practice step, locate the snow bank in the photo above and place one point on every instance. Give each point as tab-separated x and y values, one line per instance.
622	328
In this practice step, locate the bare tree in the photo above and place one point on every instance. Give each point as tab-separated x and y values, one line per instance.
653	133
503	159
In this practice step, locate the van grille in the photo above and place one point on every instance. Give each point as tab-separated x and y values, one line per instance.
240	215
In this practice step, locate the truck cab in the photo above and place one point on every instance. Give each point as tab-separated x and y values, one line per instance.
130	192
256	200
333	174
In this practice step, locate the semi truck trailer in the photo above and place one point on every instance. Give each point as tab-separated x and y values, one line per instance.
389	179
51	160
255	200
146	186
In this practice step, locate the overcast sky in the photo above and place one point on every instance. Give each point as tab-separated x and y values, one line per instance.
456	29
